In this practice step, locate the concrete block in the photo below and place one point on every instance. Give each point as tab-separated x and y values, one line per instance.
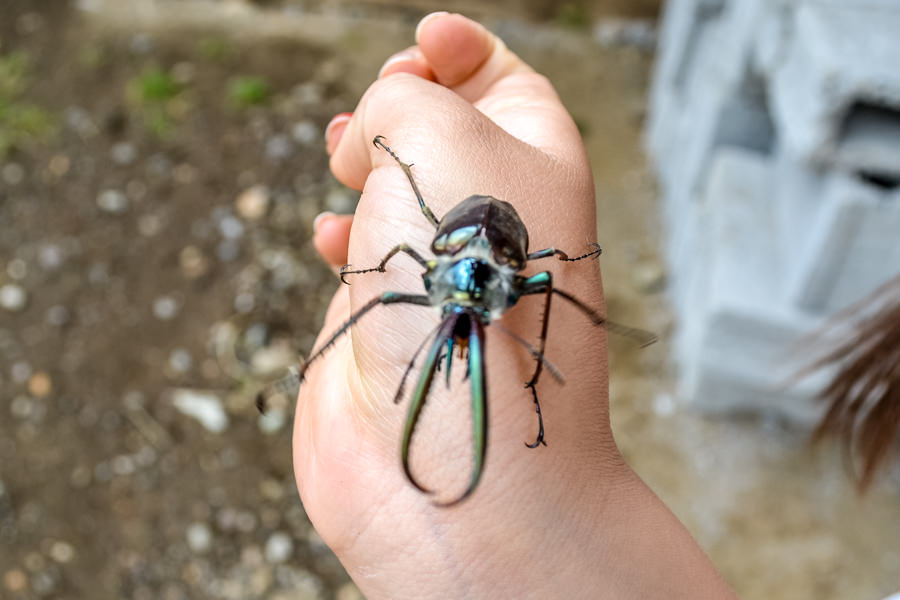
853	247
835	94
739	337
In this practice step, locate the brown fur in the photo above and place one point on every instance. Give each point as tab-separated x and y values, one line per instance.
863	397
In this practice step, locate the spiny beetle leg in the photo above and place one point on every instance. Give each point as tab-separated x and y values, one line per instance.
379	143
537	409
563	256
405	248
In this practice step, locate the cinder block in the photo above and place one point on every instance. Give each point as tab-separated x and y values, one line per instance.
835	93
738	343
853	247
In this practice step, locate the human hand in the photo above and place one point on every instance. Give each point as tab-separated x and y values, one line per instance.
566	520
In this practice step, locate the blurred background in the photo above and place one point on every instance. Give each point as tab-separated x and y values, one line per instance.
161	164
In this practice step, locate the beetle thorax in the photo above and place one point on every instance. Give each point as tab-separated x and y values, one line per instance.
472	278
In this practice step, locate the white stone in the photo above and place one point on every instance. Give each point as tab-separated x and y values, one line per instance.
13	297
199	537
279	547
204	406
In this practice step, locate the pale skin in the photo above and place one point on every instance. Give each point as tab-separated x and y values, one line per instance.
569	520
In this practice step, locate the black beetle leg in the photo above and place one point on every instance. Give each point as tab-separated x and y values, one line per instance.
379	143
563	256
405	248
537	409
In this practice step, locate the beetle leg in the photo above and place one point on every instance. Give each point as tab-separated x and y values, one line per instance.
379	143
412	363
542	282
562	255
405	248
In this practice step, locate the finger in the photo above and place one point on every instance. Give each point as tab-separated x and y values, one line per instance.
410	61
465	56
479	67
331	237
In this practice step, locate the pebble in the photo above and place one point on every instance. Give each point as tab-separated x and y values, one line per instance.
279	147
306	133
184	173
310	92
199	537
231	228
13	297
206	407
123	153
79	120
12	173
271	359
183	72
20	371
50	257
244	302
272	421
62	552
59	165
253	203
637	33
193	262
17	268
112	201
15	581
165	308
279	547
180	360
40	385
57	315
149	225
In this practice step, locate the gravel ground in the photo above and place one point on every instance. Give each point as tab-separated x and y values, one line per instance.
156	200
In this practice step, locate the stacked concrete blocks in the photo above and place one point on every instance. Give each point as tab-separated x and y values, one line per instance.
775	125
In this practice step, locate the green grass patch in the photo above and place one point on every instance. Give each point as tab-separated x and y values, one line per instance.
244	92
21	122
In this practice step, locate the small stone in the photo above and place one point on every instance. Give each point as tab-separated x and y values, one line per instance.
17	268
20	371
40	385
244	302
21	407
12	173
123	153
272	421
141	43
13	297
205	407
183	72
149	225
199	537
270	489
279	147
271	359
253	203
180	360
184	173
306	133
50	257
310	93
15	581
79	120
62	552
279	547
59	165
194	263
112	201
57	315
231	228
123	465
165	308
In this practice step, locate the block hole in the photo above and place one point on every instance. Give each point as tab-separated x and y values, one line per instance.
869	142
880	180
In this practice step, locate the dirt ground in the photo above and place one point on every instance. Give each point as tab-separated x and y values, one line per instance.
155	216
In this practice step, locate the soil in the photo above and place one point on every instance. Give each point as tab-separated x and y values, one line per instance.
161	236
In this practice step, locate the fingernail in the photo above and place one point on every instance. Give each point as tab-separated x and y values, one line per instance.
321	217
335	129
403	56
427	18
